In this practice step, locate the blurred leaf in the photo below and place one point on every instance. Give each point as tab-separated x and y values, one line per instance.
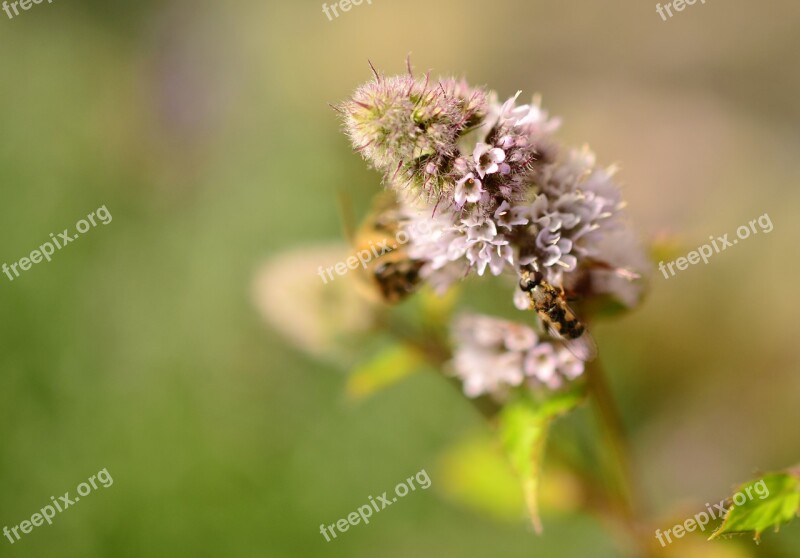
476	474
391	365
701	548
667	247
603	306
324	319
561	490
426	314
756	515
438	310
523	430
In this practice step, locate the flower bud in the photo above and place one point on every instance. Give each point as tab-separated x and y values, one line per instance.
408	128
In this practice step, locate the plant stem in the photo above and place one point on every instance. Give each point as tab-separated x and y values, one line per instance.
625	501
611	426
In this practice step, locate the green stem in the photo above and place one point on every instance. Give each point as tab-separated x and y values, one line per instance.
612	429
625	498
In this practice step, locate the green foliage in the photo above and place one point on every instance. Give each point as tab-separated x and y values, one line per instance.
524	423
667	248
388	367
475	473
605	306
775	500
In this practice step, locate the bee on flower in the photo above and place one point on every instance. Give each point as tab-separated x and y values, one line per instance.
501	196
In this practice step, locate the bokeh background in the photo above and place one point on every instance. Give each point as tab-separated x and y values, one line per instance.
205	129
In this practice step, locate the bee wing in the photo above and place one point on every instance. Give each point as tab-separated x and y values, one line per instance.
584	348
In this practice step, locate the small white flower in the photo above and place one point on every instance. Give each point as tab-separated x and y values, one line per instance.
479	228
569	365
508	107
457	248
468	189
541	363
554	250
488	159
496	254
492	356
535	121
506	142
508	217
521	299
519	337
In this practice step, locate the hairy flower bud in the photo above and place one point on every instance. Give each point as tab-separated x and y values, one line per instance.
409	128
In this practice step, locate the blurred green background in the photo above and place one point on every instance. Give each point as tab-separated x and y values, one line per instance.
205	129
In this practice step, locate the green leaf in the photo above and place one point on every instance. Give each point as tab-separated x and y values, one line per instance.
391	365
476	474
437	310
767	502
524	422
667	248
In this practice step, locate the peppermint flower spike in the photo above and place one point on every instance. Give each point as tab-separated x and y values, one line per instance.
493	356
468	189
515	197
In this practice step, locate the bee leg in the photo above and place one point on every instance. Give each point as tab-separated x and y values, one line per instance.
529	280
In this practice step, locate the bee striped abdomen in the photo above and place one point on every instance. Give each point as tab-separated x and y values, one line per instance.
562	320
552	309
397	279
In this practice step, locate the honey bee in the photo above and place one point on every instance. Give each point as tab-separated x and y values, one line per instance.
389	272
550	305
